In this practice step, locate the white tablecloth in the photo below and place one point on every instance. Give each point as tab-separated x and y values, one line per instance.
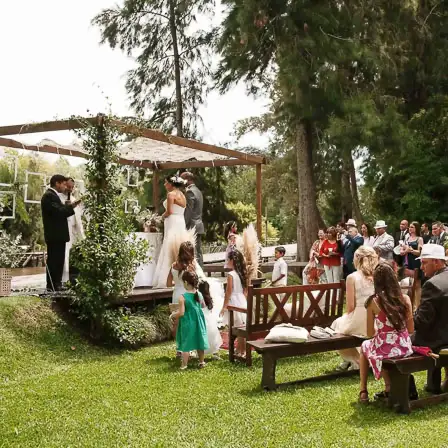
145	272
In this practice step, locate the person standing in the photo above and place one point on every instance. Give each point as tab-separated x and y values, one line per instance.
193	212
352	242
384	243
426	234
431	317
75	229
400	239
280	272
56	232
439	236
331	257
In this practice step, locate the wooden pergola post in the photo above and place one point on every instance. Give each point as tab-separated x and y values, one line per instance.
258	204
155	190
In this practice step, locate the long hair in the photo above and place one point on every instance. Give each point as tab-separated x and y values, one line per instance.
366	260
417	227
185	257
204	289
369	230
228	228
191	278
389	296
240	266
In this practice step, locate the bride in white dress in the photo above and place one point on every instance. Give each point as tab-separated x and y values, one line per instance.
175	231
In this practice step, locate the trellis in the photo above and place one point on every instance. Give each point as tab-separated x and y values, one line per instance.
149	148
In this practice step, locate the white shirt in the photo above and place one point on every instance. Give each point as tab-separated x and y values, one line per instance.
280	268
59	194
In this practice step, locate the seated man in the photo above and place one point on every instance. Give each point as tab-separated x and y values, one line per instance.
431	317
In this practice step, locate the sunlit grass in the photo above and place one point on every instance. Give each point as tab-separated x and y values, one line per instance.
57	390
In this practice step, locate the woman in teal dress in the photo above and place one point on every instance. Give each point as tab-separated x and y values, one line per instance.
191	331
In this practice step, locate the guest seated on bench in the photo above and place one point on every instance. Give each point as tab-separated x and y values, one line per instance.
359	289
390	312
431	317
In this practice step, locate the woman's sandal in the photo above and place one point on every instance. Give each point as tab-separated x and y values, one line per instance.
202	364
381	395
183	367
363	397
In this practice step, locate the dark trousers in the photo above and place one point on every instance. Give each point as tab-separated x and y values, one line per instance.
55	264
198	249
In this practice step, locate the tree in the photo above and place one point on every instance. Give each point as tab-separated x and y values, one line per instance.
173	64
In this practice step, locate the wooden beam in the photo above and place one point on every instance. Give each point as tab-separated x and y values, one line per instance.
48	126
258	205
179	141
202	164
9	143
155	191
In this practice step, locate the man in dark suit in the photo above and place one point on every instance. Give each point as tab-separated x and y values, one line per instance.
431	317
439	236
402	235
353	240
425	233
54	217
193	212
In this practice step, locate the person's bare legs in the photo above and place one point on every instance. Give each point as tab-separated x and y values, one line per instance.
386	379
201	355
351	355
363	375
241	346
185	358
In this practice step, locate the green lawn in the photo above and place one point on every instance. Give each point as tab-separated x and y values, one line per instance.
56	390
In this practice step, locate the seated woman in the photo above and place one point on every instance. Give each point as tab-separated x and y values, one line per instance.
359	288
390	312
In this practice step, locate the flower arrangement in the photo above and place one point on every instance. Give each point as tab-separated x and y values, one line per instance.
152	222
10	251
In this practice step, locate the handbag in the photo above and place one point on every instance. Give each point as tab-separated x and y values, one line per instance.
287	333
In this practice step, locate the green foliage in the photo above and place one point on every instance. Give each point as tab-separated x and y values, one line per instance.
137	329
108	257
171	47
10	251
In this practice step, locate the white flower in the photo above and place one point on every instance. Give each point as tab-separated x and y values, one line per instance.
391	338
395	352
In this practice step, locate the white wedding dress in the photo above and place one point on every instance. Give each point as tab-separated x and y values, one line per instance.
174	234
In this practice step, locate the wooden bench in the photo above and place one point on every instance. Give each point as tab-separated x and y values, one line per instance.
309	305
399	371
271	352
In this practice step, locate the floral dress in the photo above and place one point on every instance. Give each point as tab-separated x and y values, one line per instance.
387	343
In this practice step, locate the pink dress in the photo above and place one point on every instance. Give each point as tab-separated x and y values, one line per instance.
387	343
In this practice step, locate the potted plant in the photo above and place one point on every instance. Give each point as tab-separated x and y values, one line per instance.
11	254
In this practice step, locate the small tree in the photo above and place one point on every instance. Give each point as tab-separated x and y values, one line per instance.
108	257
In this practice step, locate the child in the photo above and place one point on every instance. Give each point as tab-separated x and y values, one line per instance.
231	235
191	331
390	312
236	293
186	262
280	272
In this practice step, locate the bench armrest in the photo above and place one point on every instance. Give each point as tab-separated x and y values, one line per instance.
238	310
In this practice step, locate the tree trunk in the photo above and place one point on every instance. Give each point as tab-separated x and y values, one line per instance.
354	189
179	105
346	196
308	217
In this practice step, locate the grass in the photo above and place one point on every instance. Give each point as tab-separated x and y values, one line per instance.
56	390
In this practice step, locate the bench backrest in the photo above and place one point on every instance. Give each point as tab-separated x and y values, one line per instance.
304	306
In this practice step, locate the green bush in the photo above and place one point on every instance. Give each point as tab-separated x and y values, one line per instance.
136	329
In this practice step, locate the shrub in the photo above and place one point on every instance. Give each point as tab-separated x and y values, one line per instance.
136	329
10	251
108	257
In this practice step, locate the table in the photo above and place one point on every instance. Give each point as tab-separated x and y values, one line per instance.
145	272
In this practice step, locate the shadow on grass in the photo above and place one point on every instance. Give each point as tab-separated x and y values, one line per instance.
36	326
